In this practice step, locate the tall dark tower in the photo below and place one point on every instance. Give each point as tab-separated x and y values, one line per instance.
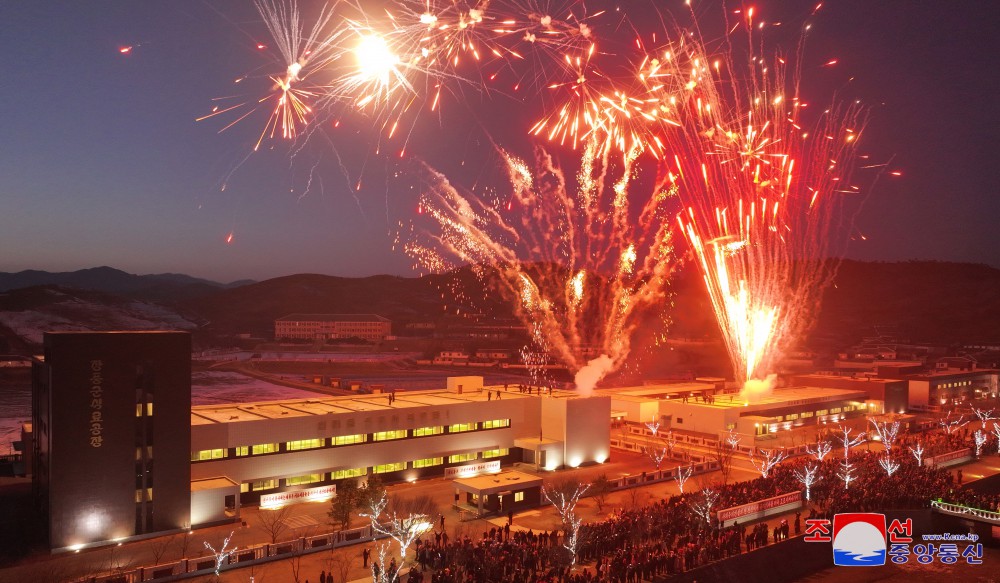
112	416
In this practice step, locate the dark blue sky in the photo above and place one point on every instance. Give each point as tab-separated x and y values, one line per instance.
102	163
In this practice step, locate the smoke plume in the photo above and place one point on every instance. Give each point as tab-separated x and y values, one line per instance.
755	390
587	377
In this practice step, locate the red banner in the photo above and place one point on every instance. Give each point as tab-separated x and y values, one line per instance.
758	506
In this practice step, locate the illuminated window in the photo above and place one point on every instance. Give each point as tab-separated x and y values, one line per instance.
496	453
518	496
304	444
822	411
424	431
208	454
496	423
428	462
138	495
461	457
242	451
244	487
389	435
149	409
835	410
263	448
791	417
386	468
264	485
460	427
306	479
349	439
352	473
806	414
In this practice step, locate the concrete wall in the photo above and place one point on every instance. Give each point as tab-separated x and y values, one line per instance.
583	427
919	393
696	417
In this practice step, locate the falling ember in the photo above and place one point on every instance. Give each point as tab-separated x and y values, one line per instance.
125	50
229	237
577	266
763	203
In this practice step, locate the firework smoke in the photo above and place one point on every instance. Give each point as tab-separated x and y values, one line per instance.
575	261
587	377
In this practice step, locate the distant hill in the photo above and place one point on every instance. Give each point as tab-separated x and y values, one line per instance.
926	301
165	286
920	301
25	314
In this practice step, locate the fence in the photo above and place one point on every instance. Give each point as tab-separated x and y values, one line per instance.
264	553
960	510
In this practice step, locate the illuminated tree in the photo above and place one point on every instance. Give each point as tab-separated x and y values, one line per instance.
846	473
564	497
918	452
980	438
888	464
402	520
222	555
703	505
949	425
984	415
682	476
653	426
823	449
996	431
769	459
846	440
808	475
656	454
887	432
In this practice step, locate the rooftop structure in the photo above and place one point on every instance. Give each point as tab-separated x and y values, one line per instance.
369	327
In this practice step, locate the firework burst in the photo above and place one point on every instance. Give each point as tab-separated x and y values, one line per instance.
762	191
577	260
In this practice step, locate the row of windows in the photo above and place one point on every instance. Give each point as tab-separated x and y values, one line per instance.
139	408
303	444
379	469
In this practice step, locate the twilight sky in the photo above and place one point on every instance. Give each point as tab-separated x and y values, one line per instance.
103	163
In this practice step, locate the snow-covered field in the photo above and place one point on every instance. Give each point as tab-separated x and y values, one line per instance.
71	313
215	387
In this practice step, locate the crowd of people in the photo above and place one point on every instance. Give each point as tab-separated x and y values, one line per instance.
669	537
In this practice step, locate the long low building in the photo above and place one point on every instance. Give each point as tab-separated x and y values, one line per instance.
698	408
269	448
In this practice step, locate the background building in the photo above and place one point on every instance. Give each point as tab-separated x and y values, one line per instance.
369	327
105	407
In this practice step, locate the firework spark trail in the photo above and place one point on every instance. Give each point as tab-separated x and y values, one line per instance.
577	264
762	191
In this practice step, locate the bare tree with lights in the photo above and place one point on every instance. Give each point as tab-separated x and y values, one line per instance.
654	427
887	432
846	440
733	439
918	452
846	473
683	474
703	505
980	438
769	459
671	442
996	431
655	454
949	424
823	449
402	520
888	464
564	497
808	475
222	555
984	416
